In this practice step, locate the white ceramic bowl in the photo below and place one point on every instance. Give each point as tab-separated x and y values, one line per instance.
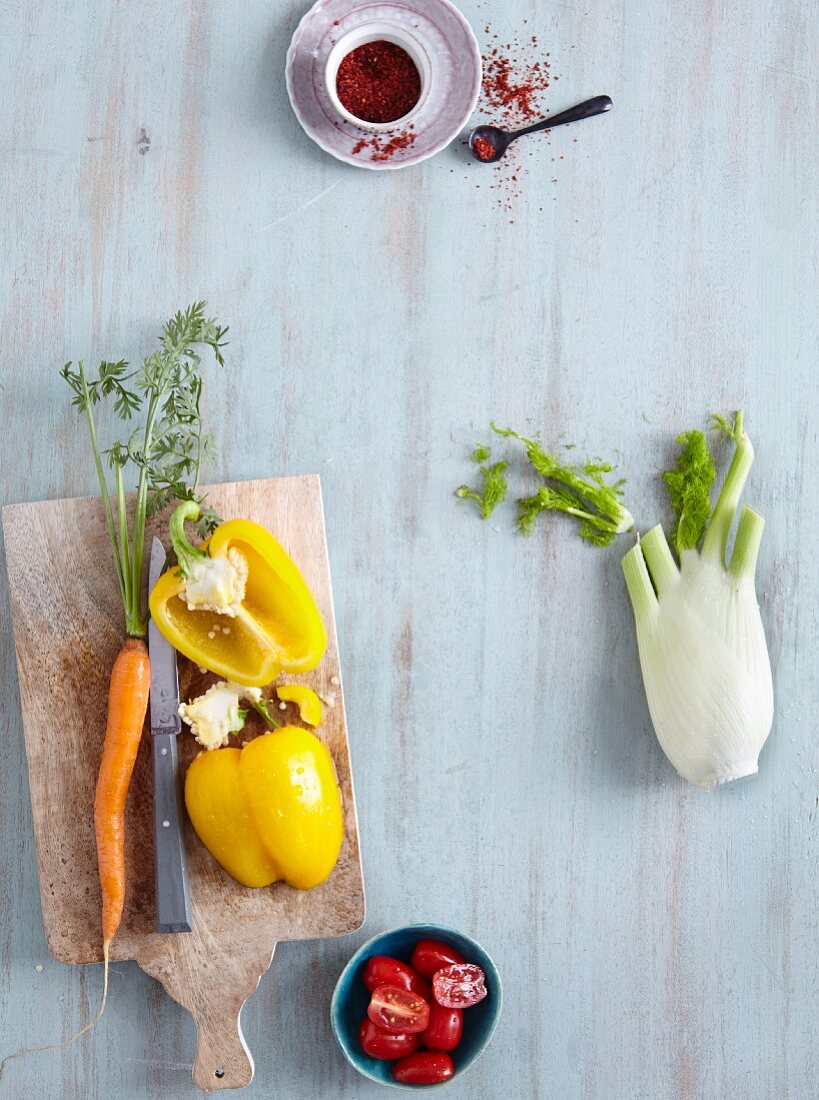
439	40
379	32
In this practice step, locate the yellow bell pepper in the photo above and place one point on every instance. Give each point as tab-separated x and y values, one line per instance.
237	605
305	699
269	811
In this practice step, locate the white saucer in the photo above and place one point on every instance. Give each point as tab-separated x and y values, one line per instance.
456	79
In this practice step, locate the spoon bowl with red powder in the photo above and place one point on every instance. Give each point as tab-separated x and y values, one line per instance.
488	143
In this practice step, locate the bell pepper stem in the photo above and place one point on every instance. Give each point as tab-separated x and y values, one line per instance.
262	707
186	553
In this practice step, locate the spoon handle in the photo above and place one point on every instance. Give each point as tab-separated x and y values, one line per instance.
587	109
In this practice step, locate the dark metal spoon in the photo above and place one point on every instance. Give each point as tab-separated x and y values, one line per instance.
492	142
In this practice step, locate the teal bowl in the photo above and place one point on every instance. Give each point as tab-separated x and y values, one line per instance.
351	997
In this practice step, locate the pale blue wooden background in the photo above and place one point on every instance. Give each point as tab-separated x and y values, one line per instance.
655	942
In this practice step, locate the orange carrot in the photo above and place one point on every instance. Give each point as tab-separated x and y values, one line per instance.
127	703
163	386
128	692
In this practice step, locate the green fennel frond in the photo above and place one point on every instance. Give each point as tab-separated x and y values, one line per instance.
731	428
582	491
594	528
689	486
494	484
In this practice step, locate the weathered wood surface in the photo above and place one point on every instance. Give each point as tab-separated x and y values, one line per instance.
67	617
656	943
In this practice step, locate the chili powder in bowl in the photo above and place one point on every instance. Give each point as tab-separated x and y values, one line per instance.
377	76
383	86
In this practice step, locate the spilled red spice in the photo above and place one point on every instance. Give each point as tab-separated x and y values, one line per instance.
383	148
483	148
399	141
517	74
378	82
514	85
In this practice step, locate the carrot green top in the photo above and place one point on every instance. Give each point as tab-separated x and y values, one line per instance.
166	448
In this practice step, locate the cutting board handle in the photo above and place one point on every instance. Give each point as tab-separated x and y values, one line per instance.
223	1060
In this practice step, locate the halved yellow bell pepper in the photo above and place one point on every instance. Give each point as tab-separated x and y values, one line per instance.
273	623
269	811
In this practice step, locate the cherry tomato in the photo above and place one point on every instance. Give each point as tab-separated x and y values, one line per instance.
398	1010
444	1029
422	987
382	970
432	955
423	1068
384	1045
459	986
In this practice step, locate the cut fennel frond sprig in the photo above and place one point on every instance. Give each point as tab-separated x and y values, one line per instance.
700	637
494	486
579	491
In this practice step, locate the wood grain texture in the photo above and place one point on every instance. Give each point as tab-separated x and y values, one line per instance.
67	616
655	943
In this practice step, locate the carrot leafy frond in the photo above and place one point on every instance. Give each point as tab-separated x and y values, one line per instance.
166	449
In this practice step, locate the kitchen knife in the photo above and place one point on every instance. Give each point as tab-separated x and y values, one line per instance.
173	903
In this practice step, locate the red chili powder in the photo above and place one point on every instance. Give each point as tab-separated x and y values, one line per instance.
483	148
516	76
398	141
514	87
378	82
384	150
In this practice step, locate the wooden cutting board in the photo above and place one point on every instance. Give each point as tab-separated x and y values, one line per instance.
67	619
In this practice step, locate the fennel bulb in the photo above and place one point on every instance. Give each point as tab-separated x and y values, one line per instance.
702	646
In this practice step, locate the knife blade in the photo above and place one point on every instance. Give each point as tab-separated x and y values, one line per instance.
173	905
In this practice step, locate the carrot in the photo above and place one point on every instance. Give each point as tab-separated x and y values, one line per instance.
166	389
127	703
128	692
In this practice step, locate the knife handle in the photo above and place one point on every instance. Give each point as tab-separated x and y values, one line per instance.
173	902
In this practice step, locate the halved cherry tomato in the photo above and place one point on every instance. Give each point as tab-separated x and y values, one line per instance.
459	986
382	970
398	1010
385	1045
432	955
423	1068
445	1027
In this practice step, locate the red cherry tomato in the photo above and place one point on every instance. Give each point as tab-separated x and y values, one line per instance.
430	956
444	1029
459	986
382	970
422	987
423	1068
384	1045
398	1010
